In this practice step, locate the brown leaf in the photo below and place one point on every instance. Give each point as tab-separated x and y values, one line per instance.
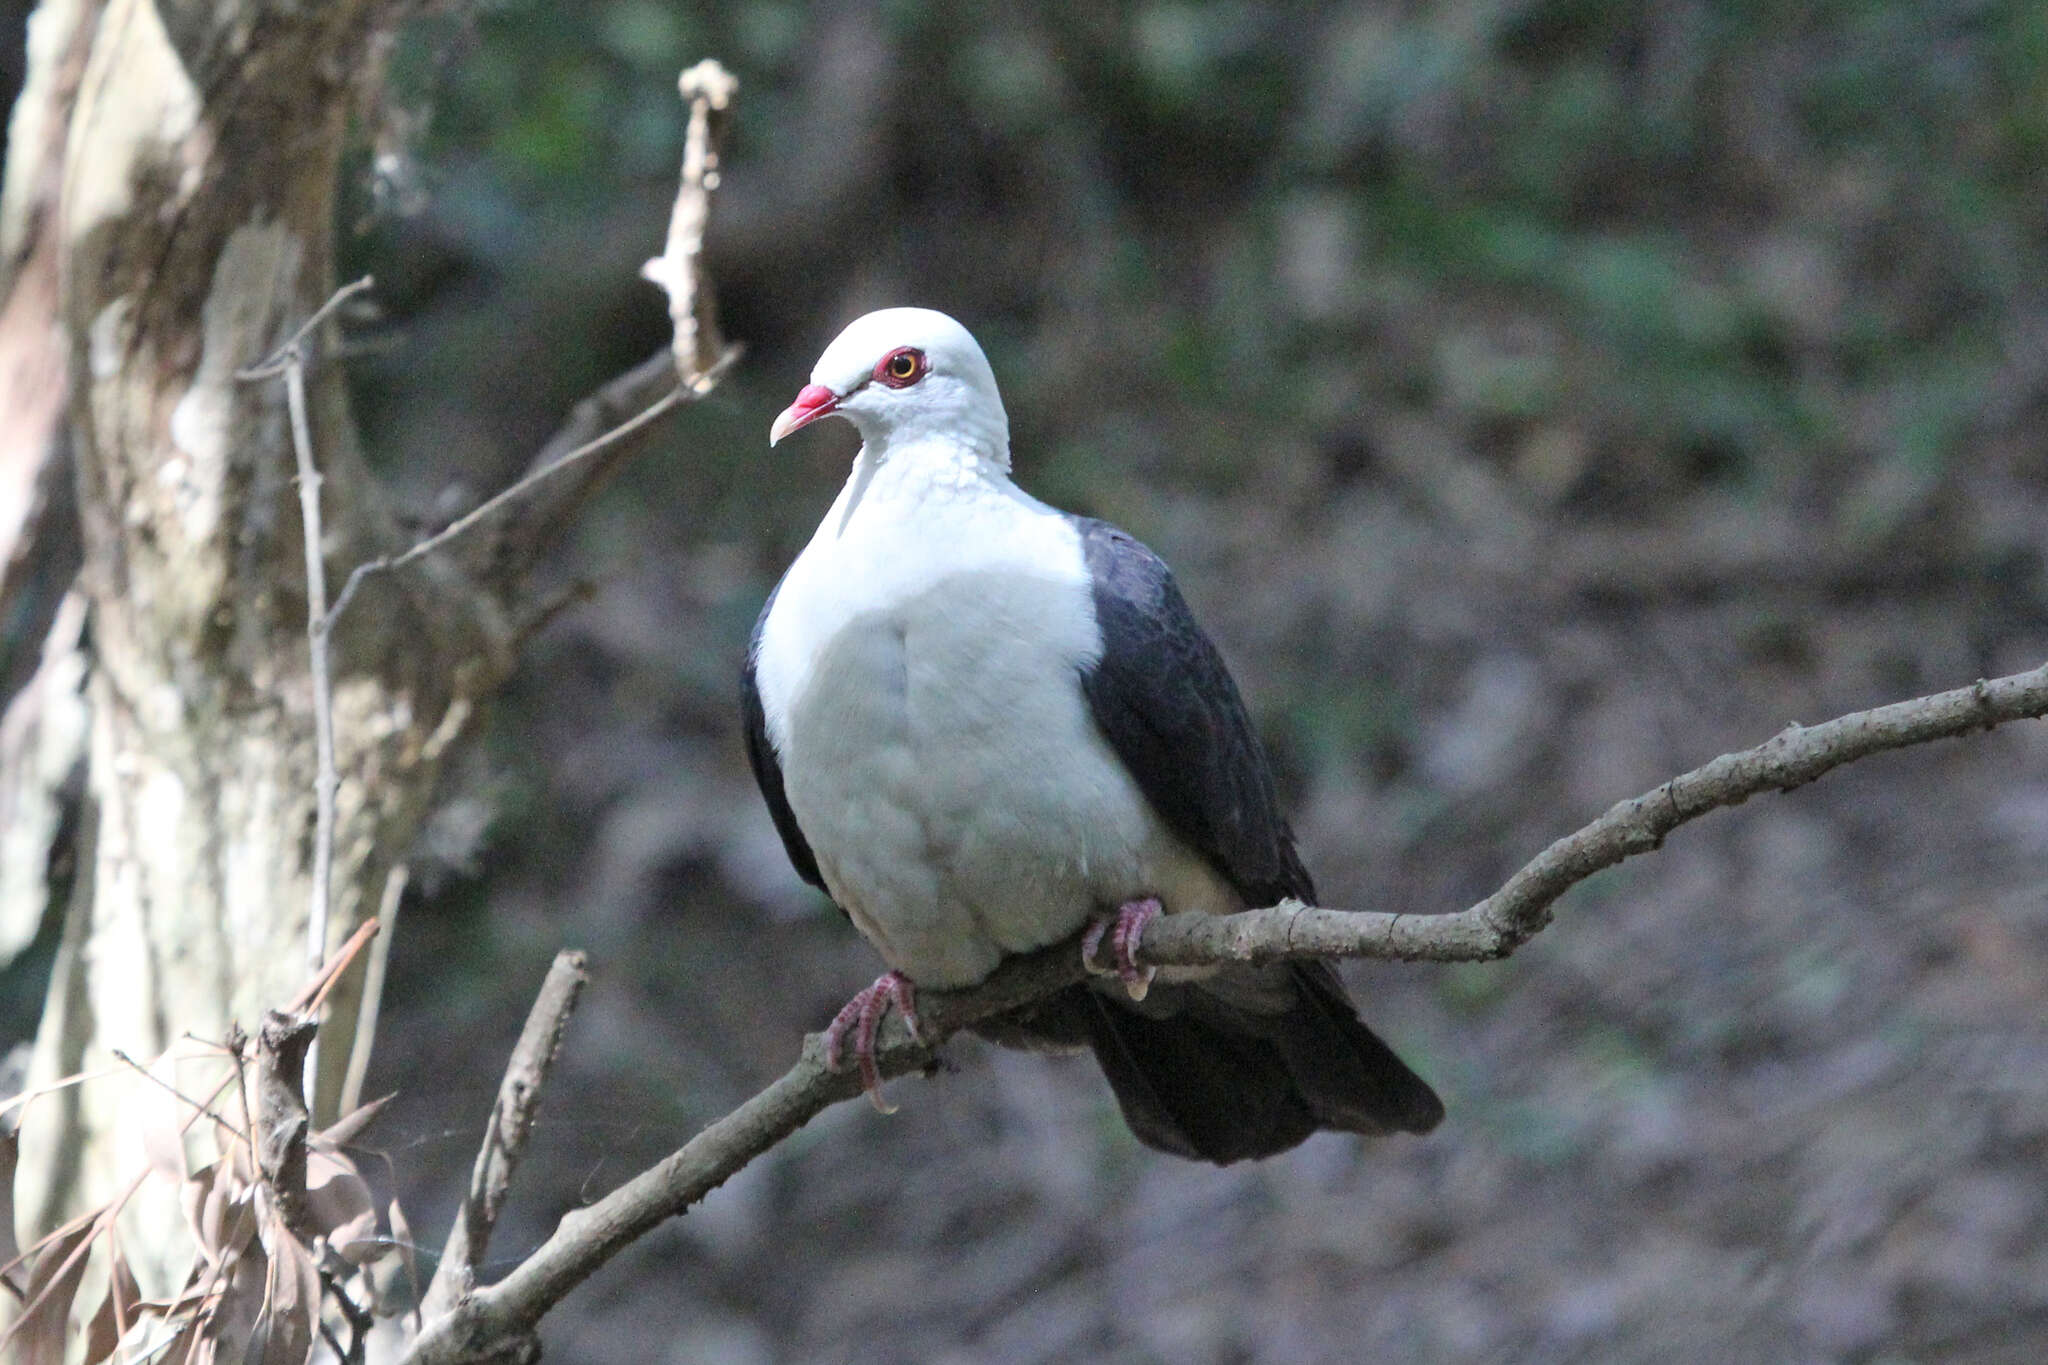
237	1221
180	1346
338	1206
193	1197
53	1280
350	1126
117	1313
235	1151
228	1331
10	1147
217	1206
289	1325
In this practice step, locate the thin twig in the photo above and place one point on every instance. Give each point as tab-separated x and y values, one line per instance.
283	357
326	781
1514	914
588	1237
480	515
511	1121
290	361
314	993
373	990
146	1074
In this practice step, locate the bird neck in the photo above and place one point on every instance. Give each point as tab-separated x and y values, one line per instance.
919	476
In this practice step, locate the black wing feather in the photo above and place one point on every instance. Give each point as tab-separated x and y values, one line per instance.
1167	705
761	757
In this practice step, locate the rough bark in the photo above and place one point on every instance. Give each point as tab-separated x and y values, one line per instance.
195	234
42	732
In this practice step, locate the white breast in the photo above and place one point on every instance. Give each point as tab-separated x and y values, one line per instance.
920	676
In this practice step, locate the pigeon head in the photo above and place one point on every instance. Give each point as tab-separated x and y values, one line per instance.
903	376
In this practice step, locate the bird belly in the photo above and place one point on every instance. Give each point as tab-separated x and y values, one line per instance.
962	804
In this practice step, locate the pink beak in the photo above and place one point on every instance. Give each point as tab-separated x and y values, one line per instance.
813	402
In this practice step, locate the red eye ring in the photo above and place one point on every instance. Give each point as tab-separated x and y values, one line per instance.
901	368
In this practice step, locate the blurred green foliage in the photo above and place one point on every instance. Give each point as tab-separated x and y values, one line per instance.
1735	223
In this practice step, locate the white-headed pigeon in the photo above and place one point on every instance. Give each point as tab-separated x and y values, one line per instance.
982	724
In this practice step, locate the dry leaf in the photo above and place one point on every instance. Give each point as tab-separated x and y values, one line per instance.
350	1126
339	1208
38	1334
217	1208
193	1197
117	1312
289	1325
164	1344
10	1147
228	1331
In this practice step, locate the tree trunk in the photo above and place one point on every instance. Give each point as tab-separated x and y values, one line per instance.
194	235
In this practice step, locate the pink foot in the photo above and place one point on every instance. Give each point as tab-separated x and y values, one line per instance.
863	1014
1124	930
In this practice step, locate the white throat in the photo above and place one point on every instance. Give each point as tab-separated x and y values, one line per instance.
921	477
942	431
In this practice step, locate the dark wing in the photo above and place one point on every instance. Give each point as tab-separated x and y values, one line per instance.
1167	705
767	767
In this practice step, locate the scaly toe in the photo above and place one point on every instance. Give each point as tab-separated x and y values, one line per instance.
1091	947
862	1015
1130	928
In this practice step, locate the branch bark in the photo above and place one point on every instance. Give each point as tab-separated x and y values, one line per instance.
282	1122
511	1122
486	1321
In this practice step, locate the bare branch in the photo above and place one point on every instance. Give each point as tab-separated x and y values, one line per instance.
598	412
290	361
512	504
314	993
281	1118
710	89
586	1238
501	538
1514	914
293	352
505	1137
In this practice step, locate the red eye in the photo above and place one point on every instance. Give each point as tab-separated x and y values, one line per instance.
902	367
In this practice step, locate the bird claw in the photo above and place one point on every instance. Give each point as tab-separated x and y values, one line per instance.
863	1015
1123	929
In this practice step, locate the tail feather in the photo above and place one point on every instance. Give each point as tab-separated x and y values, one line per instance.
1197	1091
1353	1080
1243	1065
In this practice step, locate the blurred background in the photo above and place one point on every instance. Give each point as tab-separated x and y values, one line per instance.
1536	399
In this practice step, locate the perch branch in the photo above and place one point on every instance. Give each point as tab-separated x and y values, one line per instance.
1514	914
505	1136
490	1317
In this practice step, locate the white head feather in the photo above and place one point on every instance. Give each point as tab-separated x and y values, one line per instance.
954	400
